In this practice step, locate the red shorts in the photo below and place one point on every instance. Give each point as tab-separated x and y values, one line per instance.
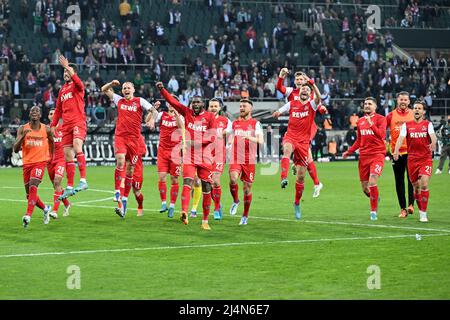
168	162
202	171
77	131
301	151
418	168
33	171
138	175
372	165
131	147
247	171
217	167
56	168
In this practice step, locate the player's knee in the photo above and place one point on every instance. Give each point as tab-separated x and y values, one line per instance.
173	180
188	182
206	187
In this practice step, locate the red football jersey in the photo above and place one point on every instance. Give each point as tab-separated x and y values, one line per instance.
58	151
301	119
370	138
244	151
418	139
223	124
129	120
70	103
169	137
199	128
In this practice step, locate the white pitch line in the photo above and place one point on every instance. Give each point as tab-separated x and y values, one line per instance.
48	188
91	201
81	204
216	245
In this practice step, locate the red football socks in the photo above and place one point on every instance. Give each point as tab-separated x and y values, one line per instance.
216	195
206	205
234	189
285	167
81	159
247	203
185	198
70	169
313	172
299	187
162	187
174	193
374	198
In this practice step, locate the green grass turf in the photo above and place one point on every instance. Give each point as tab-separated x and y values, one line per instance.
267	259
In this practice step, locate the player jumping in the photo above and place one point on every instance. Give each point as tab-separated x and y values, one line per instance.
421	141
293	94
298	136
70	107
129	144
246	133
169	156
223	125
200	134
371	134
36	141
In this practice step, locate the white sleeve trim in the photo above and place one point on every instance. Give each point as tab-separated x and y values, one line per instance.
229	128
145	104
285	108
288	91
430	129
116	99
403	131
314	105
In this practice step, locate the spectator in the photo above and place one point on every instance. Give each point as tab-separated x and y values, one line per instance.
173	85
124	10
79	52
211	46
7	141
332	149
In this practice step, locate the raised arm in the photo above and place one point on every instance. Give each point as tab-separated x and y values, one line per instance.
181	108
57	114
108	88
280	87
76	80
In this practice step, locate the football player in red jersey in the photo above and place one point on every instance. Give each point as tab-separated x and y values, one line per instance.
223	125
56	168
300	78
200	136
421	141
70	107
298	136
371	135
246	133
129	144
169	154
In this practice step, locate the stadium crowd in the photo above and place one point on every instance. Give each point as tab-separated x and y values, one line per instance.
365	59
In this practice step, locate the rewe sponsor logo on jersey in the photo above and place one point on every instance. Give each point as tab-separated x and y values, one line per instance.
300	114
133	107
366	132
57	139
171	124
418	134
35	142
244	133
196	127
66	96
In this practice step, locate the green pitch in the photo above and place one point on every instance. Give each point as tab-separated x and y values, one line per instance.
326	255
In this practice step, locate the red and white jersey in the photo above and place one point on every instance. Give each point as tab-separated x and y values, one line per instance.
199	128
70	103
223	124
243	150
129	120
301	119
169	133
418	139
370	138
58	151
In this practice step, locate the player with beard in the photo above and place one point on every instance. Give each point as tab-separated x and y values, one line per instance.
371	134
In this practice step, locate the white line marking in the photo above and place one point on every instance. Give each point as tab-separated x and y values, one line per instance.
215	245
47	188
80	204
92	201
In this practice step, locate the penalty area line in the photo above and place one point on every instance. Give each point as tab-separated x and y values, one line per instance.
217	245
